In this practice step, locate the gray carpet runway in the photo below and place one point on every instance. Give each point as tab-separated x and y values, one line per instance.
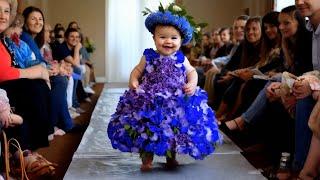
95	159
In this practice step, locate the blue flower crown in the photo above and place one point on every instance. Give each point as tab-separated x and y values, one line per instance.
175	16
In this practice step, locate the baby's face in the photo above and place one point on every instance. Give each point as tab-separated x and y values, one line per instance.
13	30
167	40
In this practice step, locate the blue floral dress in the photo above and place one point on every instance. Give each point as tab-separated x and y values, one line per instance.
159	117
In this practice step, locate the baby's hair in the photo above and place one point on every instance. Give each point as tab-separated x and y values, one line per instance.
181	34
18	21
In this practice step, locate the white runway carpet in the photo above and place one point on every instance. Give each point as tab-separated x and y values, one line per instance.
95	159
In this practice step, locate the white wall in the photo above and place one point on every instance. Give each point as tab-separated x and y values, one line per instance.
91	15
221	13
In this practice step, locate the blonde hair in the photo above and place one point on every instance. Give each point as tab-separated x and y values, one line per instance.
13	9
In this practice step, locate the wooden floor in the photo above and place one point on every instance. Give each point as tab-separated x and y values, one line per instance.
61	149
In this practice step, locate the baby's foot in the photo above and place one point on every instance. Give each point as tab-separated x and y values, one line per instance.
146	163
146	167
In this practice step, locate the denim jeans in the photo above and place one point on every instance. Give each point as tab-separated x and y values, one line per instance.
59	114
259	105
303	133
257	108
75	102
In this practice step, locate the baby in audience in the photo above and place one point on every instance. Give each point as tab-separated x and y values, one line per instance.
7	118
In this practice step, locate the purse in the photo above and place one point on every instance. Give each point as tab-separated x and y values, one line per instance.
5	154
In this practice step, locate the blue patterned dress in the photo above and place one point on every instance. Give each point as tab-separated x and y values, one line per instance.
159	117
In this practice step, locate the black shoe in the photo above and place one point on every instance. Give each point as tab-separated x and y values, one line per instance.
223	127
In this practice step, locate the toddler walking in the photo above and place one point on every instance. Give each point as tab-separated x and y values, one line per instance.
164	112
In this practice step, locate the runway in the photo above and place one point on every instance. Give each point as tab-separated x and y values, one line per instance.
95	158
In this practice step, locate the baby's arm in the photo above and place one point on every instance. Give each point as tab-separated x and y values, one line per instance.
192	78
136	74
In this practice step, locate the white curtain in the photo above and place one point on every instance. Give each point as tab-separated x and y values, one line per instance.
280	4
127	36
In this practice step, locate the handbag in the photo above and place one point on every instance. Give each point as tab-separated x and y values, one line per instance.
5	154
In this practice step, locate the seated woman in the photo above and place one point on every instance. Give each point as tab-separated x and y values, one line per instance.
269	63
238	34
295	62
227	43
22	52
27	89
249	56
297	49
216	42
33	34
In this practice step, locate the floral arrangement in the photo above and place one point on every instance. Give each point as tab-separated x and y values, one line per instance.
89	45
178	17
159	118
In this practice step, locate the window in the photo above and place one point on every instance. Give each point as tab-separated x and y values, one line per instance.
280	4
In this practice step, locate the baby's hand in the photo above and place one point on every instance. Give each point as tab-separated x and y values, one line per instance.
4	118
189	88
133	84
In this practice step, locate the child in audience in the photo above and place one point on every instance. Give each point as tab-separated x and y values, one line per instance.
164	112
7	118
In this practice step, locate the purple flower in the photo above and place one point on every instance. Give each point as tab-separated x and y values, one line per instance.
160	117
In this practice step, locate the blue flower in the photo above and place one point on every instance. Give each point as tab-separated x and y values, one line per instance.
167	18
161	148
150	54
161	117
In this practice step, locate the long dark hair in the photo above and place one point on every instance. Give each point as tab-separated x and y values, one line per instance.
267	45
73	22
293	49
250	53
39	38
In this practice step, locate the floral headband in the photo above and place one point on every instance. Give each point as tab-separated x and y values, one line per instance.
175	16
